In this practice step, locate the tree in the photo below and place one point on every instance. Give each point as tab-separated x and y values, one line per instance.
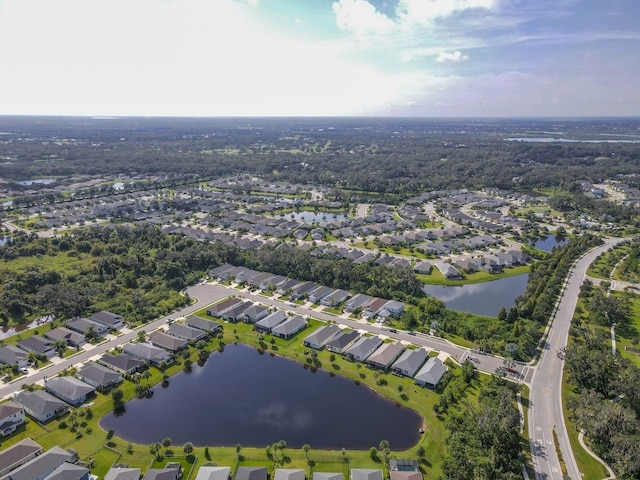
373	453
60	346
238	449
188	448
502	314
155	449
117	396
385	449
306	447
166	443
146	375
421	452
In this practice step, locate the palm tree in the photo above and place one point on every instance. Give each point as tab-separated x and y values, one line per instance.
306	447
238	448
146	375
166	443
60	346
188	448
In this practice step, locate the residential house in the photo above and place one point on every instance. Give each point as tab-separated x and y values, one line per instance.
327	476
207	472
267	323
185	332
203	324
289	328
98	375
122	473
431	373
403	465
366	474
364	347
220	272
219	308
375	306
110	320
11	417
321	336
251	473
272	282
385	355
405	475
357	302
12	355
260	279
255	313
18	454
449	271
148	353
302	289
83	325
41	466
41	405
69	389
71	338
37	345
342	341
122	363
409	362
289	474
423	267
236	312
69	471
168	342
394	307
163	474
335	298
286	286
319	293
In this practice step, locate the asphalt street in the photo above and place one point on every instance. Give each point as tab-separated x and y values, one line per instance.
545	403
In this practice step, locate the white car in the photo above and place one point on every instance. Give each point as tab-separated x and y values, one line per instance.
24	370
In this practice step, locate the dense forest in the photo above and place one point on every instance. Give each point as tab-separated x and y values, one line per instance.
606	400
393	157
139	271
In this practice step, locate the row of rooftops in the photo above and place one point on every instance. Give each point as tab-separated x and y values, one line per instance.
26	461
296	289
378	354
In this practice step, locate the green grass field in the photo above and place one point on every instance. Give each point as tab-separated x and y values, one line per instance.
436	278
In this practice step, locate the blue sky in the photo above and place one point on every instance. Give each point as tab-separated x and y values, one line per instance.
320	57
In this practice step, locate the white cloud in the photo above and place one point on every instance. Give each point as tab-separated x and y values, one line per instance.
360	17
455	57
425	11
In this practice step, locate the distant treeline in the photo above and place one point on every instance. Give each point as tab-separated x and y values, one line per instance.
395	159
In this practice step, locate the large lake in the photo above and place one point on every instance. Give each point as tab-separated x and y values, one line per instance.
481	298
240	396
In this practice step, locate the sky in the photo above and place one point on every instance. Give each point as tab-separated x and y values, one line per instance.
431	58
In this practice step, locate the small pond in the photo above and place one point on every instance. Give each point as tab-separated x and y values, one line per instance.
481	298
314	217
240	396
547	243
37	181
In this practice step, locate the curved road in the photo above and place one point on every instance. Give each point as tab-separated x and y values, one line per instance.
545	404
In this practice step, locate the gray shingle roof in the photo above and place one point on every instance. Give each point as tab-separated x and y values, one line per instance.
410	361
15	454
289	474
169	342
212	473
39	402
40	466
122	361
251	473
10	354
202	323
322	335
147	352
68	471
431	372
69	387
98	374
185	332
117	473
290	326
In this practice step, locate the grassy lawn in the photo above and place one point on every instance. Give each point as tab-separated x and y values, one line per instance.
62	263
436	278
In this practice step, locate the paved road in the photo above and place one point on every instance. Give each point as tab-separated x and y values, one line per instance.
545	405
205	294
209	293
